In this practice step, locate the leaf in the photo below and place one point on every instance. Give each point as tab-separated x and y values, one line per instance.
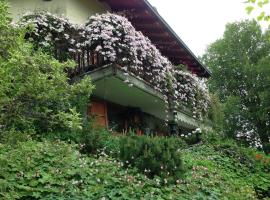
249	9
260	4
267	18
264	2
261	16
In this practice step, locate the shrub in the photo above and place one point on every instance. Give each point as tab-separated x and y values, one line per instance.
250	161
56	170
32	170
153	155
94	139
25	101
212	137
13	137
192	137
112	145
35	93
91	139
216	114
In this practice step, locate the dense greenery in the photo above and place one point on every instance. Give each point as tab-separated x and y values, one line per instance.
226	171
241	77
56	170
155	156
35	93
49	150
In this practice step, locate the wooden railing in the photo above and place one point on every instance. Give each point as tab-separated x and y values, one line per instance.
89	60
86	60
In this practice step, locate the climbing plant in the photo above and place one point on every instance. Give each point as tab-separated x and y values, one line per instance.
113	38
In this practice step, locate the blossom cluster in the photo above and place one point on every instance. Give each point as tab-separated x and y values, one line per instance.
52	32
195	132
248	132
113	38
242	128
190	91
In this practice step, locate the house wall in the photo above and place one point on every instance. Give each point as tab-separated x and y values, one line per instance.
19	7
79	11
76	10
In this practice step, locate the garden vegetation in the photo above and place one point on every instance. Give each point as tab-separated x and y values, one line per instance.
50	149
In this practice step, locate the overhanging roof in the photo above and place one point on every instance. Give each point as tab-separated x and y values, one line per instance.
145	18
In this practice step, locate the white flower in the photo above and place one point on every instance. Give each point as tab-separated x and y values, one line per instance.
165	181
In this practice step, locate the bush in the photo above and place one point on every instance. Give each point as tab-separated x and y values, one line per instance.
212	137
32	170
91	139
154	156
94	139
216	114
35	92
56	170
251	161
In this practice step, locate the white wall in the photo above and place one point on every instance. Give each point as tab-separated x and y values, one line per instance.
76	10
79	11
19	7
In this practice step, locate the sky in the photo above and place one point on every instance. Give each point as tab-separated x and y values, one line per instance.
200	22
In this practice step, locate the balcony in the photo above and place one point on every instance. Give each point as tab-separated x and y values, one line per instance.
126	68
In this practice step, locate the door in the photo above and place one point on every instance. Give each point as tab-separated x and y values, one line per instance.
98	110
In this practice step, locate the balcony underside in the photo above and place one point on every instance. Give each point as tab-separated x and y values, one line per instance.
110	86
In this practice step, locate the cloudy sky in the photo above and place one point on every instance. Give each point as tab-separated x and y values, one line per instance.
200	22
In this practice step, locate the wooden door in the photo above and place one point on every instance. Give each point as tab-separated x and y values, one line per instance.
98	110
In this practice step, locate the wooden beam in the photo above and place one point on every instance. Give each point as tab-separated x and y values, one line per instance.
157	36
152	31
155	25
177	51
136	21
167	42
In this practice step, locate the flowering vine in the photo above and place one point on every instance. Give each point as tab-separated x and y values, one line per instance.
113	38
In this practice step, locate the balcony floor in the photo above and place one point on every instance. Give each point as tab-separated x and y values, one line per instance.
109	85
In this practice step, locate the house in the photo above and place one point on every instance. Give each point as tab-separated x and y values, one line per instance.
130	101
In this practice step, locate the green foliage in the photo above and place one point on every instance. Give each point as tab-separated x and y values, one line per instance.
94	139
91	139
224	171
240	65
34	170
13	137
57	170
154	156
6	34
35	93
212	137
260	5
251	162
216	114
192	139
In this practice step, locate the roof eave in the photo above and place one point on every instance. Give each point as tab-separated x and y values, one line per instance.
207	72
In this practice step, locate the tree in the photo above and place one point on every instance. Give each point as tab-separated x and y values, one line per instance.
35	93
239	62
